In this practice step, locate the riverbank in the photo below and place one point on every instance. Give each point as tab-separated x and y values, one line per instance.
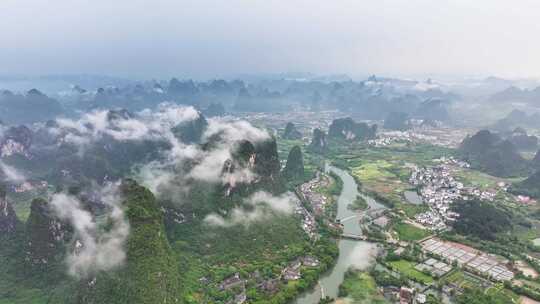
352	254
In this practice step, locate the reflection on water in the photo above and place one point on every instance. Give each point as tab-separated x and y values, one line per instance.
413	197
356	254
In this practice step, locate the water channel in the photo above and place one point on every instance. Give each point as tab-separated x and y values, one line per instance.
356	254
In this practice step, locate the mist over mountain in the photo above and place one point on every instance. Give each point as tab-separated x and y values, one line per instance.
372	98
269	152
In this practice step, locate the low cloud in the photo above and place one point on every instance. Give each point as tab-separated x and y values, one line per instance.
234	131
95	249
144	125
263	204
210	163
170	177
11	173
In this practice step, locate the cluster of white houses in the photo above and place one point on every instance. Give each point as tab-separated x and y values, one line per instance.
439	189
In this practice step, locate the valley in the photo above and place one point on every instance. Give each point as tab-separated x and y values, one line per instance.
258	207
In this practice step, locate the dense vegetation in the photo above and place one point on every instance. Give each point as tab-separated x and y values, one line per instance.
294	168
408	232
481	219
480	296
530	186
361	288
396	121
151	273
523	141
172	261
318	142
291	132
348	129
30	107
358	204
214	109
488	152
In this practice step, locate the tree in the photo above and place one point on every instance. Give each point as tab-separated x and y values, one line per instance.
480	219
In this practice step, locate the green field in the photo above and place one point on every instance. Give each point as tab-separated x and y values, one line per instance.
411	210
374	170
482	180
360	287
407	232
461	279
498	291
359	204
383	177
406	268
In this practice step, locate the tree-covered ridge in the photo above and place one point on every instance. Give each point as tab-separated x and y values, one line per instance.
98	146
191	131
434	109
9	222
151	273
523	141
294	168
26	108
45	235
397	121
291	132
530	186
262	158
319	142
116	144
214	109
480	219
517	118
348	129
486	151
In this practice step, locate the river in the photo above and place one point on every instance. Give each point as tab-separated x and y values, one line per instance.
357	254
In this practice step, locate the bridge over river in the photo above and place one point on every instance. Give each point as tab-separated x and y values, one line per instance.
371	212
354	251
355	237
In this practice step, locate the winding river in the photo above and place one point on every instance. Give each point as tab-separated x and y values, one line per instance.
357	254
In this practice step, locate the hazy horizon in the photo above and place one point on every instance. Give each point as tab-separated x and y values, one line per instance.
213	39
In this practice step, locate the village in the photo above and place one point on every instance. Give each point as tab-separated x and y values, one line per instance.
419	133
237	284
438	188
316	201
387	138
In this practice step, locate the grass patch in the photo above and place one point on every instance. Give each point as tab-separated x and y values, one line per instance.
359	204
498	291
411	210
374	170
480	179
407	232
360	287
462	279
406	268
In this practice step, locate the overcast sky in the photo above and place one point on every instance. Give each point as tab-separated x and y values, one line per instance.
206	38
